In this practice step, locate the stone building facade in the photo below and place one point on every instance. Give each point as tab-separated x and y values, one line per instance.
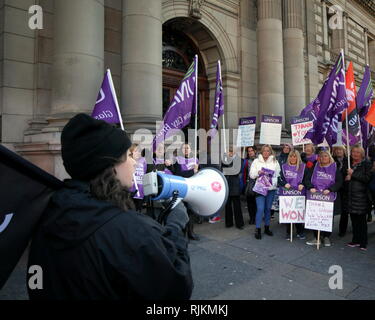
275	55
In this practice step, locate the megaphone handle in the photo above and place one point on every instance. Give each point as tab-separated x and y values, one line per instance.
164	214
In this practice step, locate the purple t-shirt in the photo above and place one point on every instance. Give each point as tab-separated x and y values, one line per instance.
140	171
187	163
293	176
324	177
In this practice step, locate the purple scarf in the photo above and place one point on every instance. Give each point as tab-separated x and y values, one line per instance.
140	170
187	163
293	176
312	158
324	177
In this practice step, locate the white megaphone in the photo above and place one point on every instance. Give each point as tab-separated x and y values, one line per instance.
206	192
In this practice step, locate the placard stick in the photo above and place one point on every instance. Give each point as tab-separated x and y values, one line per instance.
318	242
291	232
303	148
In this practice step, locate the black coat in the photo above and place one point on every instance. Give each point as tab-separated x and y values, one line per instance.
357	199
90	249
234	181
334	188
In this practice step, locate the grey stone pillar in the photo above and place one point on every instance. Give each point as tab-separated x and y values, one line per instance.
294	63
78	61
141	92
371	54
270	59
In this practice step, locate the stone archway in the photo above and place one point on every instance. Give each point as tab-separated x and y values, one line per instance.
213	42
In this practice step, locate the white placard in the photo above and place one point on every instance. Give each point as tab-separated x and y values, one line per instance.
299	130
292	209
270	130
319	215
246	135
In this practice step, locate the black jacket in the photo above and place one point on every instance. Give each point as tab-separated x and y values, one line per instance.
356	191
234	181
334	188
91	249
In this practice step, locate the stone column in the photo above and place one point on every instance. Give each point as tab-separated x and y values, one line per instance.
78	61
371	54
327	54
294	62
270	59
141	89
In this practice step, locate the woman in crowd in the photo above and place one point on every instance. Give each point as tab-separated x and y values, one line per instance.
282	159
357	195
251	202
140	171
186	166
291	177
309	154
264	165
340	156
233	205
324	177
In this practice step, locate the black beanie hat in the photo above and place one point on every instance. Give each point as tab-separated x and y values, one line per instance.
88	146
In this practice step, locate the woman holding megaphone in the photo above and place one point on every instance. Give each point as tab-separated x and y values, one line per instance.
265	169
90	244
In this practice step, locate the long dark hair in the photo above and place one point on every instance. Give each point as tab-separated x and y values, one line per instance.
107	187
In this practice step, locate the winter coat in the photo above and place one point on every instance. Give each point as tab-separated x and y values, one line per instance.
92	250
357	198
271	164
337	206
234	180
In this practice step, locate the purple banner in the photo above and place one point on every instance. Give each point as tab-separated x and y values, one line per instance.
248	121
297	120
182	107
327	107
140	171
219	98
319	196
106	106
364	97
283	192
272	119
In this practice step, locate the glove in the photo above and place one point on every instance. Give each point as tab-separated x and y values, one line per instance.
178	217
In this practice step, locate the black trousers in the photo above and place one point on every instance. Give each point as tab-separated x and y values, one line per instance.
233	206
251	207
344	219
300	227
359	223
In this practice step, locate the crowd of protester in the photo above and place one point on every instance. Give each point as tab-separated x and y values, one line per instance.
353	186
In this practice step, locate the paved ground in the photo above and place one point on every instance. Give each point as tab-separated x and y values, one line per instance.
231	264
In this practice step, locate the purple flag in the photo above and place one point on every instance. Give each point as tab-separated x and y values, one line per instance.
327	107
219	98
106	106
182	106
364	96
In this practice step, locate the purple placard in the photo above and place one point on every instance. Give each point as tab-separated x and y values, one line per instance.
248	121
297	120
319	196
283	192
272	119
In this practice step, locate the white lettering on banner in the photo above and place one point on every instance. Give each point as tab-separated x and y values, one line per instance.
292	209
6	222
319	215
104	115
102	96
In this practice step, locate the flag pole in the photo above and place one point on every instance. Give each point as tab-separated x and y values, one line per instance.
346	111
115	98
196	108
225	138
